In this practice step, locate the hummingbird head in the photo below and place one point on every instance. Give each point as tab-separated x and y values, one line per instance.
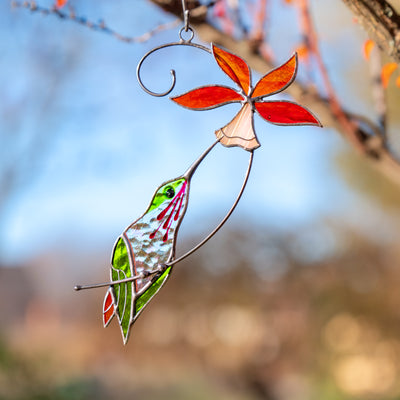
167	193
169	203
168	206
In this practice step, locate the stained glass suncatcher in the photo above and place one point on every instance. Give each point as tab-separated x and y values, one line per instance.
144	255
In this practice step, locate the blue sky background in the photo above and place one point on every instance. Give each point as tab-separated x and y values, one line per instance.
108	145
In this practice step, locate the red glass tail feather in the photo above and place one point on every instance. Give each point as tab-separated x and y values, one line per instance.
108	307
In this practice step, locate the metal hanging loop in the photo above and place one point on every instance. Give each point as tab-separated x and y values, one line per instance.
186	27
181	37
185	16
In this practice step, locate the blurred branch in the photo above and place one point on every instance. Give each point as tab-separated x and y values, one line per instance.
381	21
25	147
99	26
260	32
349	129
361	135
378	90
236	17
197	10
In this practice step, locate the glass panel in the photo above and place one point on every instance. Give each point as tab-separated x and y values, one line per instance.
108	307
276	80
152	237
163	193
108	301
286	113
234	67
149	293
240	131
208	97
121	269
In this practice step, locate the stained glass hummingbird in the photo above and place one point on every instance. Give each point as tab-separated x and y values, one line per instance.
143	256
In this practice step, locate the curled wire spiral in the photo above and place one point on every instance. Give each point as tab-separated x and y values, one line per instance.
183	41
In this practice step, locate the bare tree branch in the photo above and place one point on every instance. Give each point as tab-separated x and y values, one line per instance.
349	128
96	26
381	21
378	90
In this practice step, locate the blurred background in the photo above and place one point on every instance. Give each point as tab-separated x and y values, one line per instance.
295	298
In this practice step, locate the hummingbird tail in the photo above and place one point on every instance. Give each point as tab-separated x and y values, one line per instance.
108	307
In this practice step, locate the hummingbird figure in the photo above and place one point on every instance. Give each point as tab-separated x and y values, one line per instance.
143	256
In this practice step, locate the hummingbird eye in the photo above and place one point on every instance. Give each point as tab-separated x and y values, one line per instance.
169	192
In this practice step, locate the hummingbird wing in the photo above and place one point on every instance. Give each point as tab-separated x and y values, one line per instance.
123	293
128	299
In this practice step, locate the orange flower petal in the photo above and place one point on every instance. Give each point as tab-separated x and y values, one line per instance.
234	67
61	3
367	48
277	80
386	73
398	81
285	113
207	97
303	51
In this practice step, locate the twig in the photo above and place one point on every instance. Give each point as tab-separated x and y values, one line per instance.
349	128
381	21
378	91
99	26
223	14
237	17
260	20
260	31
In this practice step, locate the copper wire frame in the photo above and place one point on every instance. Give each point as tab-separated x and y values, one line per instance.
161	268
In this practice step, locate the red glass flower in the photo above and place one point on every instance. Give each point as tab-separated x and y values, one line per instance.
240	131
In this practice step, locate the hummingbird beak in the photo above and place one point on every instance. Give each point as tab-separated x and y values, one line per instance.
190	171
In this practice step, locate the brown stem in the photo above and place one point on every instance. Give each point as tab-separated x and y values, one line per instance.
307	24
260	32
260	17
378	91
381	21
100	26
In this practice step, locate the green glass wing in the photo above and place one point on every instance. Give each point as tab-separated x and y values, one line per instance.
121	269
142	300
131	298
